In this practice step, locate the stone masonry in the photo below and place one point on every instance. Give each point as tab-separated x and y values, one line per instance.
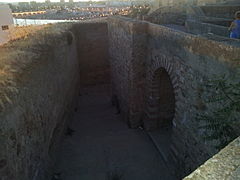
139	52
33	122
157	74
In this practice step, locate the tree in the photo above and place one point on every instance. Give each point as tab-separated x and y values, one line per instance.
221	120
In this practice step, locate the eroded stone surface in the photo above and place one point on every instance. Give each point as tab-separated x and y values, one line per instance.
224	165
189	60
32	124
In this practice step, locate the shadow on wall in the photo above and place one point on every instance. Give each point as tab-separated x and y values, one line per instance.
161	102
92	47
51	64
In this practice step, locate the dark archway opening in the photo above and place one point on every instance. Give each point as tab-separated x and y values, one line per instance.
160	115
163	95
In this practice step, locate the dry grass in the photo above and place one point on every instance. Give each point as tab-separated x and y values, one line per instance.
27	47
24	31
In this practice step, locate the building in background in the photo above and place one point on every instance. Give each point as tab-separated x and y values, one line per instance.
6	23
205	2
157	3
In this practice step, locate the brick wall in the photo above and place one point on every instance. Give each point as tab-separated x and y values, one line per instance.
92	48
127	74
188	60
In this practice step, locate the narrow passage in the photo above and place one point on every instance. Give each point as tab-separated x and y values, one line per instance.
104	148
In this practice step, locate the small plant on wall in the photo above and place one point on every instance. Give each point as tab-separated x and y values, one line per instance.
220	121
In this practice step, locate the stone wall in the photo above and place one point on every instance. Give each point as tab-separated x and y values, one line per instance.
189	60
92	47
226	11
210	19
224	165
124	72
196	27
33	123
168	15
120	60
34	117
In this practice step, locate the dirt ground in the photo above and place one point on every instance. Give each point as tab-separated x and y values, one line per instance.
102	147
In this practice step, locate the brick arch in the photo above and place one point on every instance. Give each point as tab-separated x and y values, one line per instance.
161	94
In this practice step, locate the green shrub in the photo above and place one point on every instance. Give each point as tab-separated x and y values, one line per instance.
220	122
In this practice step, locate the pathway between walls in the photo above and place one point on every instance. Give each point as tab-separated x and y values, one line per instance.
104	148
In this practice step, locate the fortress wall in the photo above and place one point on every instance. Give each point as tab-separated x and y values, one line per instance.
189	61
120	55
205	28
47	69
226	11
168	15
127	48
33	123
33	117
218	167
92	48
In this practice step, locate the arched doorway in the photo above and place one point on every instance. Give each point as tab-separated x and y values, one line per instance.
161	103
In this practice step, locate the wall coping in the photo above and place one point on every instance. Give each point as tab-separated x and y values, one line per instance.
223	165
221	49
178	32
